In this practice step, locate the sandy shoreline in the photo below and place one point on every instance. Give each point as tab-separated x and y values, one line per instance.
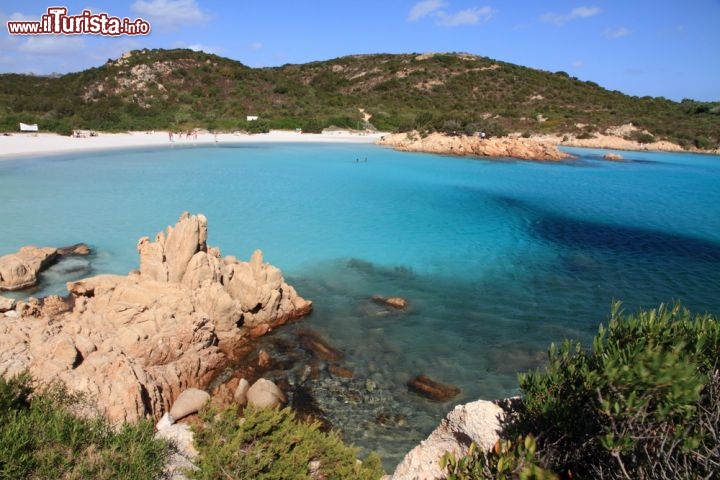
22	145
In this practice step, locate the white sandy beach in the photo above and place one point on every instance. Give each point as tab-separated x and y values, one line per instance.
23	144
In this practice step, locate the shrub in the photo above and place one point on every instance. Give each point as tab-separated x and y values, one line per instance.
39	438
641	137
506	460
271	444
452	127
703	143
642	403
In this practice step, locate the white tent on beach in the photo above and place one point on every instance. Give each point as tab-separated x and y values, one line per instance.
24	127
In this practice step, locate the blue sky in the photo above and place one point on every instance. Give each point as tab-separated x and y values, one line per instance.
639	47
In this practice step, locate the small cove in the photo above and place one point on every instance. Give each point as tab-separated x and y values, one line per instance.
497	258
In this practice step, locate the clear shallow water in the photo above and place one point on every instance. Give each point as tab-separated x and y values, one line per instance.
497	258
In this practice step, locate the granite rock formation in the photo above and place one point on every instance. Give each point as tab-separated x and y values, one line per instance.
463	145
478	422
20	270
135	342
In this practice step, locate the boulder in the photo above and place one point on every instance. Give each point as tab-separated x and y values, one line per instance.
429	388
478	422
181	436
19	270
613	156
190	401
265	394
6	304
397	303
240	395
136	342
79	249
264	359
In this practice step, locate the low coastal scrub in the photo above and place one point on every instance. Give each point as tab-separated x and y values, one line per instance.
642	403
272	444
456	93
40	438
507	460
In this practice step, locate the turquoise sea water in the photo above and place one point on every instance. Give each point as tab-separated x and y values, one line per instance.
497	258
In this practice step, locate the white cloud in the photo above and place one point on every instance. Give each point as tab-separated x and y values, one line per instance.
198	47
18	17
256	46
574	14
425	8
584	12
578	64
52	45
616	32
436	10
471	16
170	13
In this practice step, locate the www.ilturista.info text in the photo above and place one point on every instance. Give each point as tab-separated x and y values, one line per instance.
57	22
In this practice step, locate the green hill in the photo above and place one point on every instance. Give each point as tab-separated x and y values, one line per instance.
180	89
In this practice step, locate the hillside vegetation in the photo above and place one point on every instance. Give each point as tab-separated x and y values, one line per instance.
181	89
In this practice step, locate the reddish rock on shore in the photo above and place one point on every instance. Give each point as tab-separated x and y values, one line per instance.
463	145
135	342
20	270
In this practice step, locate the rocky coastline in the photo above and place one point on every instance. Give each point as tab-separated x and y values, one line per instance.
532	148
157	343
134	343
463	145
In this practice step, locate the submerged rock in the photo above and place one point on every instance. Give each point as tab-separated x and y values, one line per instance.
397	303
429	388
136	342
317	346
340	371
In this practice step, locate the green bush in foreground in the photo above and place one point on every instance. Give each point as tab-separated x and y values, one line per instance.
506	461
40	439
272	444
644	402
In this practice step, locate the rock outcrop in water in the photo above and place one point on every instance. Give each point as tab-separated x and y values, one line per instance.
20	270
135	342
463	145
